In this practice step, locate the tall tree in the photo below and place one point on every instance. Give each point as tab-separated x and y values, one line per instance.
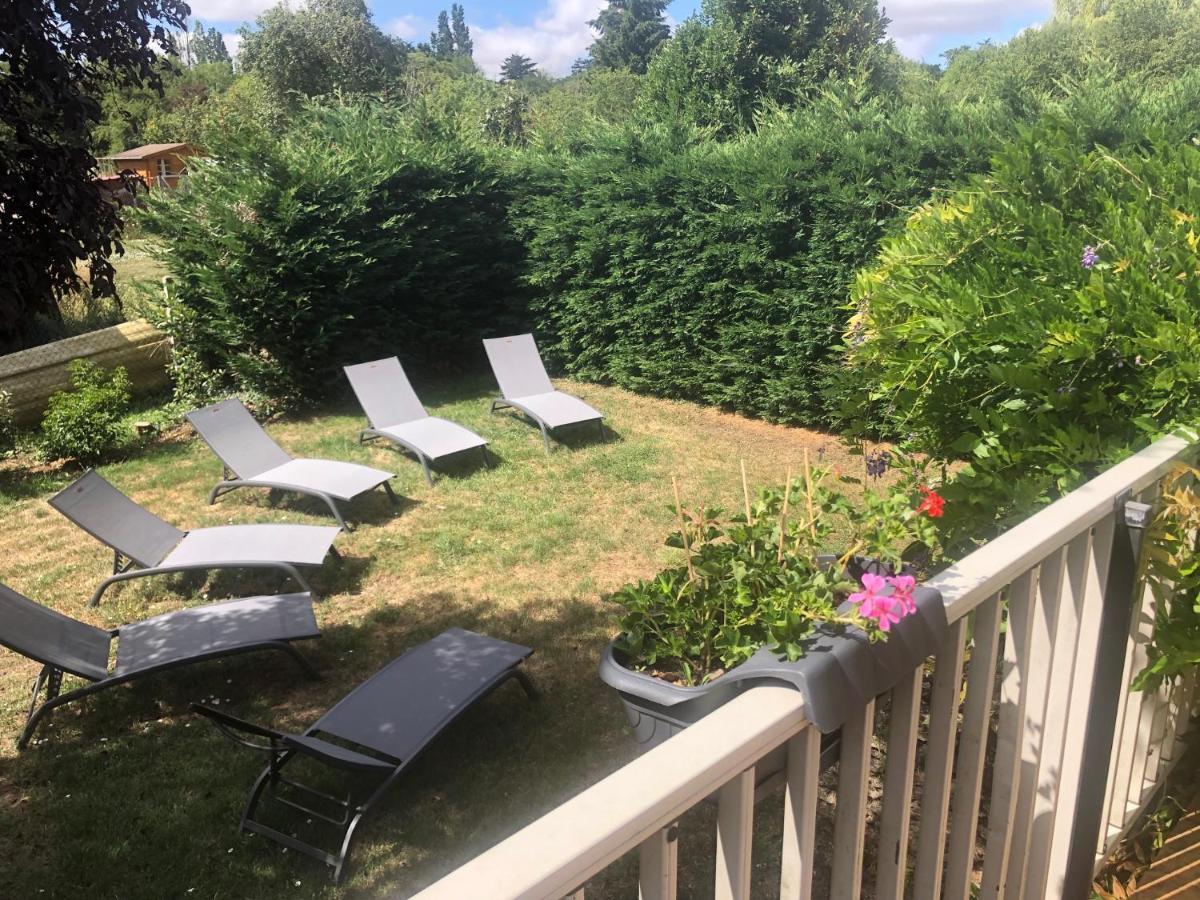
630	31
517	67
56	58
463	45
321	48
205	45
441	42
720	68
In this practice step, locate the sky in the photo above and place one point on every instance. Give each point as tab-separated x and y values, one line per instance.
554	33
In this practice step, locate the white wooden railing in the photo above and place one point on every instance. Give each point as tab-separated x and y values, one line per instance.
1041	603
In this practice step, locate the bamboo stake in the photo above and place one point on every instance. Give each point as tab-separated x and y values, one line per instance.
687	545
746	491
808	490
787	496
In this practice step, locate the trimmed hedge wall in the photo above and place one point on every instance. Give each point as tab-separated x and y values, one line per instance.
671	264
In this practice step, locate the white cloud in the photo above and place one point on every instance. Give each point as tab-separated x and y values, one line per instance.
558	36
233	43
406	28
228	10
918	26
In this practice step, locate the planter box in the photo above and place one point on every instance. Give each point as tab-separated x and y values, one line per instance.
31	376
840	671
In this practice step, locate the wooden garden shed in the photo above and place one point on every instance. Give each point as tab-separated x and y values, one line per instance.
158	165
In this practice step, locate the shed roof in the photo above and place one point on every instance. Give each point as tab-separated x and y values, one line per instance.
146	150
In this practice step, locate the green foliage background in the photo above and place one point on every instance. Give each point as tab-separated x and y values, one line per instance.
981	333
666	262
354	236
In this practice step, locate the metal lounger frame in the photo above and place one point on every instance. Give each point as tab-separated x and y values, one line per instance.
51	677
502	402
264	456
370	434
126	569
284	748
231	482
66	646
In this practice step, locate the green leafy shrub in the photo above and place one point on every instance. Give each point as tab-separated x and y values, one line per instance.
676	265
8	426
759	579
1042	322
84	422
354	234
1173	574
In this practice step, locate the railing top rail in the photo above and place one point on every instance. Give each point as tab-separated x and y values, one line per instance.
560	851
978	576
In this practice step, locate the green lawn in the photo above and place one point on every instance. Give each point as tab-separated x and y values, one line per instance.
131	796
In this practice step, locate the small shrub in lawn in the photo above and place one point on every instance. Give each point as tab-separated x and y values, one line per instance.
758	578
8	427
85	421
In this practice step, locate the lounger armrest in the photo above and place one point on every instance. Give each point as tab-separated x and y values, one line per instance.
232	727
336	756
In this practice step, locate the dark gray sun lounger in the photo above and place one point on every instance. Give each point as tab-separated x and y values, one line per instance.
525	386
143	544
251	459
67	646
373	733
395	413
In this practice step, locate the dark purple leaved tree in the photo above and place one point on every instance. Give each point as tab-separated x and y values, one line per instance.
56	56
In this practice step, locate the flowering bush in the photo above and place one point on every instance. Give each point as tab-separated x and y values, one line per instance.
1038	325
761	578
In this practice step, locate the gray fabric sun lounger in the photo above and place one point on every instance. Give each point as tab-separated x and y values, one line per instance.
373	733
525	386
251	459
395	413
67	646
143	544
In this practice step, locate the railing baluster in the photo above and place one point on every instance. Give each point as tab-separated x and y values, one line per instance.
735	831
1130	740
658	865
800	815
904	720
1041	657
939	762
1074	778
1059	701
972	747
1006	765
854	771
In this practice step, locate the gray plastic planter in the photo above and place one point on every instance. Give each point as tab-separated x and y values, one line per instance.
840	671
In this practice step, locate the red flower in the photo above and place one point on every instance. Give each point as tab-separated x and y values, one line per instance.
931	503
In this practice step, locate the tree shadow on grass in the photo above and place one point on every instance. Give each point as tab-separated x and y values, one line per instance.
133	757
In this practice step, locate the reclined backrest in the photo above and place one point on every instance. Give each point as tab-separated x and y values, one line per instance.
384	391
517	366
52	639
237	438
113	519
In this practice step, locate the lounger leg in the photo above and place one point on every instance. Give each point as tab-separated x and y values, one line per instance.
600	424
527	685
545	436
345	849
52	679
391	495
222	487
294	573
333	508
113	579
425	466
487	459
310	671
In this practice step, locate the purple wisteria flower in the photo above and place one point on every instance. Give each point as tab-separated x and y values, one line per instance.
1090	257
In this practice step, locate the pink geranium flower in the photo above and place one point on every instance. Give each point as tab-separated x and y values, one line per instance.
883	609
902	592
